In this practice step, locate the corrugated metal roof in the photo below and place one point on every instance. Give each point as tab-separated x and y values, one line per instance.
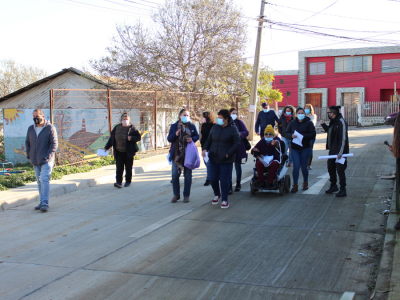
51	77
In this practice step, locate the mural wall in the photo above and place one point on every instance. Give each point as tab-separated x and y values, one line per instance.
80	131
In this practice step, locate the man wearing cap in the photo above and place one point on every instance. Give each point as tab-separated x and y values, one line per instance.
265	117
337	142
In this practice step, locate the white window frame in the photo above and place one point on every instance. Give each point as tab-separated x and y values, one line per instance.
320	66
345	64
394	65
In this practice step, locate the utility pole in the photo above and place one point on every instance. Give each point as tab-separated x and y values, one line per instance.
256	71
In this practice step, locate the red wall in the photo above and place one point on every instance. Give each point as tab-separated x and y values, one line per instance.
290	83
372	81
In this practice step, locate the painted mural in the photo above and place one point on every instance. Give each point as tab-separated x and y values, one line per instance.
80	131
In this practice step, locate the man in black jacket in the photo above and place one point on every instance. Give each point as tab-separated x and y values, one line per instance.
338	144
265	117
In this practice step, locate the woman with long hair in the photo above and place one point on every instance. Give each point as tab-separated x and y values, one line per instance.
309	110
304	126
180	134
221	145
123	139
287	116
208	123
241	153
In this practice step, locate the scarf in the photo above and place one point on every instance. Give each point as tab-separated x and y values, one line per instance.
180	146
288	118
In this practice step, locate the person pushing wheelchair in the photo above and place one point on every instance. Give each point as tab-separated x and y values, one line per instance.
267	146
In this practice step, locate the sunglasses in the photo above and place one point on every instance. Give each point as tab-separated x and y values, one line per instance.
268	134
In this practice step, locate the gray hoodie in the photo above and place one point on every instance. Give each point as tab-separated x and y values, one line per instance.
41	148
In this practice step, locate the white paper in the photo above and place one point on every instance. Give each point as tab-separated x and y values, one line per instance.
206	159
340	161
335	156
299	138
102	152
268	159
168	158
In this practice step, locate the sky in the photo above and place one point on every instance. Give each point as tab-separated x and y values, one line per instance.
57	34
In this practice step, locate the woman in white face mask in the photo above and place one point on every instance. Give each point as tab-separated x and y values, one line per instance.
301	127
241	153
123	139
180	134
309	110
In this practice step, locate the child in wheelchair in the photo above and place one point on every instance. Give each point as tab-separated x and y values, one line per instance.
268	154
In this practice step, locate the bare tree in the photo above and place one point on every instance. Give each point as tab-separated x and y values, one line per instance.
193	44
14	76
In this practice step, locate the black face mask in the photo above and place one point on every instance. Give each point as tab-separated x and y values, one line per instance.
37	120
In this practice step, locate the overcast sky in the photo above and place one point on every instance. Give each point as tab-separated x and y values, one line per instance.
57	34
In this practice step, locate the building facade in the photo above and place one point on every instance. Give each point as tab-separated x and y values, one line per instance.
343	77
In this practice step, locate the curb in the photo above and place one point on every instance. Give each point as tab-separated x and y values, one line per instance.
388	276
58	188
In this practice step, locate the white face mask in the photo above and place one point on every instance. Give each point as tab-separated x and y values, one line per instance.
125	122
234	117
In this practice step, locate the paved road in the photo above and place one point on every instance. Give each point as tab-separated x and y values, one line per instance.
132	243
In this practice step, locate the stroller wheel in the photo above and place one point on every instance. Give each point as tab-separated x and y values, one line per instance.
287	183
281	189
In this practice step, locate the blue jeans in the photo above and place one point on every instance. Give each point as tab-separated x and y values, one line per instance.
312	147
221	173
238	168
43	174
300	160
287	148
187	173
208	169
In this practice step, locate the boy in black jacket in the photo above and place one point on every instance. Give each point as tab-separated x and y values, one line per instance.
338	144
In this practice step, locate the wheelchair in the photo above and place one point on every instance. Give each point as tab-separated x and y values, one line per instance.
281	180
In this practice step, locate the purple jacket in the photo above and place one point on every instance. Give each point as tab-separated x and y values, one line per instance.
241	153
266	149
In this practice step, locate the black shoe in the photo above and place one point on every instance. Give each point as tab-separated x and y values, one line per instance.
118	185
238	187
341	193
332	189
127	184
38	207
207	183
397	226
44	209
230	190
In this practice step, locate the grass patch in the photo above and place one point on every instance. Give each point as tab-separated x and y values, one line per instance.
16	180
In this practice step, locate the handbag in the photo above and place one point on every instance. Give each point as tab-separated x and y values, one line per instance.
246	144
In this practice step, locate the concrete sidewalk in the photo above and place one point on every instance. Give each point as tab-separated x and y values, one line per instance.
70	183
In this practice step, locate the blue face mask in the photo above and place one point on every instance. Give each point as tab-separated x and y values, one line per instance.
307	111
301	116
266	110
220	121
268	139
288	113
185	119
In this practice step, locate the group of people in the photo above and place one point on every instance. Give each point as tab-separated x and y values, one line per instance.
224	144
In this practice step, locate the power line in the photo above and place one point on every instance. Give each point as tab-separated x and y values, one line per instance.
319	12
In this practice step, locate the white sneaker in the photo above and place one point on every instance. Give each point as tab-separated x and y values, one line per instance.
215	200
224	204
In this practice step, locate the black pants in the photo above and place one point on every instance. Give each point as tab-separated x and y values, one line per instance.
123	161
334	167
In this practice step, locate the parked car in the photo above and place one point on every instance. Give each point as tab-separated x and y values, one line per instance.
389	119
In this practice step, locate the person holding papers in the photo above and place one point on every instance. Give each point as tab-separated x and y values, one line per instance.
267	148
208	123
222	145
287	116
337	142
123	139
301	131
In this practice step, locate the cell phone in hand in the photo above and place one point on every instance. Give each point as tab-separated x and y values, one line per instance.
386	143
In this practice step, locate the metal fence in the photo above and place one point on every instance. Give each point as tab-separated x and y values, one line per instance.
85	118
379	109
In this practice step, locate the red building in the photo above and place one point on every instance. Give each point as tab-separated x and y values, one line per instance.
343	77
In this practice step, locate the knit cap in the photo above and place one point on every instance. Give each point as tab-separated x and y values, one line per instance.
269	129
